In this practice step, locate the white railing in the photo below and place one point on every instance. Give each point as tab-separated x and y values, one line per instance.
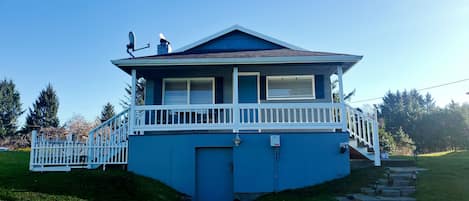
364	128
290	116
106	144
183	117
250	116
360	126
56	152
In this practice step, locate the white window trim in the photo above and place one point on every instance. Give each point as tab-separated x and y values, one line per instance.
291	98
188	87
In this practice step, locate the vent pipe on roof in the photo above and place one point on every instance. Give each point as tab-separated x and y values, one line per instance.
165	46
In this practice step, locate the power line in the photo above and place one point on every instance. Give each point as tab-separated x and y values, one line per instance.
422	89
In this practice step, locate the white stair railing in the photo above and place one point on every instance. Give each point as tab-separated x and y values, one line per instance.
108	143
364	129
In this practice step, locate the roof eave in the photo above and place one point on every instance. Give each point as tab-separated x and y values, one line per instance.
228	61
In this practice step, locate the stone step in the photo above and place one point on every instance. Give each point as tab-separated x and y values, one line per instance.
392	187
404	169
395	182
363	197
410	176
397	163
387	192
368	191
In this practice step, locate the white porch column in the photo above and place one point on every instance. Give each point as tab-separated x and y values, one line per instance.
235	101
377	160
133	96
33	149
343	112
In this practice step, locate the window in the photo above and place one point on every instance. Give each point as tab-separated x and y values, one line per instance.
290	87
181	91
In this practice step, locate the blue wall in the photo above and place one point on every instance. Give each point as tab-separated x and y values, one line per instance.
303	159
234	41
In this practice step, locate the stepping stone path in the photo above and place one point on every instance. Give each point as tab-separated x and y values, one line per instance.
398	185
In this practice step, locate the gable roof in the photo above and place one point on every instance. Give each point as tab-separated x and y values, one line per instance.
241	29
261	49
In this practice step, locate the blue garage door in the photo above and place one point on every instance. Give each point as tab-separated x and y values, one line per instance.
214	174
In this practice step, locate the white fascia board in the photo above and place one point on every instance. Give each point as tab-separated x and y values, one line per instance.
242	29
229	61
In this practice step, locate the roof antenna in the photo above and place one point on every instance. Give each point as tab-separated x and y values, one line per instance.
131	45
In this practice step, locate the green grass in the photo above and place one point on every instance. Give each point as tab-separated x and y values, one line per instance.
17	183
447	177
327	191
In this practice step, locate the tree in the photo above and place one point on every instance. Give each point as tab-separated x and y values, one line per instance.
10	107
335	93
44	110
107	112
139	96
386	141
79	127
401	110
429	103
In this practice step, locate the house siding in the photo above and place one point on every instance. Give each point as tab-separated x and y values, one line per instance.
234	41
312	157
223	74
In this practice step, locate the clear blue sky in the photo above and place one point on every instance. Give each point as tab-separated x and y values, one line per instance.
405	44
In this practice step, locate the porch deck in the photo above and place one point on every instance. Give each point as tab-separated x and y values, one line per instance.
108	143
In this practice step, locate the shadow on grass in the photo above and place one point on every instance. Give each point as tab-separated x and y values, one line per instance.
328	190
18	183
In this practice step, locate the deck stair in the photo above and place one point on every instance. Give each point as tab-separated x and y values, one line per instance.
398	184
106	145
363	134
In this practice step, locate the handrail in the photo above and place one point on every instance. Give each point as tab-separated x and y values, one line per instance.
109	120
364	128
255	116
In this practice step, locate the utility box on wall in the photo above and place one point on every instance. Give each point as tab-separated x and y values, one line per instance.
275	140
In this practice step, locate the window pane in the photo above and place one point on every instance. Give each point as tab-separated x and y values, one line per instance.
175	92
290	87
201	92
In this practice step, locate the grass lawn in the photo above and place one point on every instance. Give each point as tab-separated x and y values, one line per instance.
17	183
327	191
447	177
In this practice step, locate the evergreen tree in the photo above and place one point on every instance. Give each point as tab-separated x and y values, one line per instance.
10	107
140	93
429	103
44	110
107	112
335	92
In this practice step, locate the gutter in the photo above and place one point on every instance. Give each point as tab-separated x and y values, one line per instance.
229	61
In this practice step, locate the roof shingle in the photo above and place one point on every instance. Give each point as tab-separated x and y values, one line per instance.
284	52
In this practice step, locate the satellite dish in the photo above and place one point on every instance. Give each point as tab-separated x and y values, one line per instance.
131	45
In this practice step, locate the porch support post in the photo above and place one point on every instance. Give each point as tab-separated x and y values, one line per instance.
343	112
376	149
32	154
132	101
235	101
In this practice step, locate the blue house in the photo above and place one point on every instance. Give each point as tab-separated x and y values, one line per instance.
233	116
